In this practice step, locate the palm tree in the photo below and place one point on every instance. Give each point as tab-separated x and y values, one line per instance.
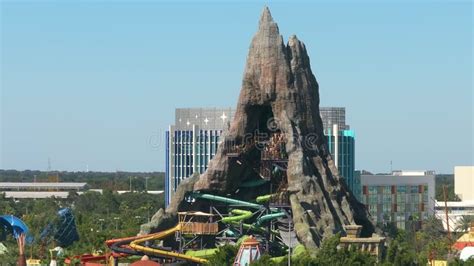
464	223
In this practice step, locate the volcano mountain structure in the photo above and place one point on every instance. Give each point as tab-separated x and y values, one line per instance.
276	139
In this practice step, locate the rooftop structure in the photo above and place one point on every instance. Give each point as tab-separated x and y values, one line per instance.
413	172
30	186
333	116
204	118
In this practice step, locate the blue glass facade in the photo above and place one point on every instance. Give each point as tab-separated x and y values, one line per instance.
345	157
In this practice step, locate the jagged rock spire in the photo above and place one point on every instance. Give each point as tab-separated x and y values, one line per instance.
266	17
278	84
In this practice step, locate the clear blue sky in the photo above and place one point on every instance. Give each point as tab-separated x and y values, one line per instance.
96	84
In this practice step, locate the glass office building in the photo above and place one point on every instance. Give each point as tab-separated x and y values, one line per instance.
341	144
193	140
333	116
403	198
191	143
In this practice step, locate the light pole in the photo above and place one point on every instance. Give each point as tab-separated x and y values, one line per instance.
101	224
146	183
289	240
116	223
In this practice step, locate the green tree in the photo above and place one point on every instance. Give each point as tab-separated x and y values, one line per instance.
464	223
224	256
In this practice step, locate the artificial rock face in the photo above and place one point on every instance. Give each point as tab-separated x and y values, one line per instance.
280	90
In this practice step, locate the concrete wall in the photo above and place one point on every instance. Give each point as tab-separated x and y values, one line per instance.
464	182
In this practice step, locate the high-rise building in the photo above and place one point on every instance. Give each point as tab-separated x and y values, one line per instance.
464	182
404	198
333	116
341	144
192	142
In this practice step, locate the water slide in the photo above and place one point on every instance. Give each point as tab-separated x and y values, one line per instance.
241	215
227	201
15	226
203	254
136	244
120	245
264	198
62	229
276	212
269	217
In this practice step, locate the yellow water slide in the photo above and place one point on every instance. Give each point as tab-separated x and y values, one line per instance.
158	252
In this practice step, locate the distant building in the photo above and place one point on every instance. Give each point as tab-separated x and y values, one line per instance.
193	140
456	211
39	190
464	182
333	116
191	143
341	145
402	198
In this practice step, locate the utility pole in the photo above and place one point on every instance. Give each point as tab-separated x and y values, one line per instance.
130	183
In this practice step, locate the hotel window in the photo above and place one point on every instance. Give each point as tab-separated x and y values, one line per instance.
401	198
401	208
401	189
372	190
387	198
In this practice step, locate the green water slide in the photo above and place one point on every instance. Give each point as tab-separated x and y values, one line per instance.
203	254
225	200
240	215
264	198
269	217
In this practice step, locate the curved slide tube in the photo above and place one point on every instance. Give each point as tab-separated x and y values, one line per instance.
203	254
269	217
119	248
135	244
264	198
117	244
15	226
240	216
228	201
